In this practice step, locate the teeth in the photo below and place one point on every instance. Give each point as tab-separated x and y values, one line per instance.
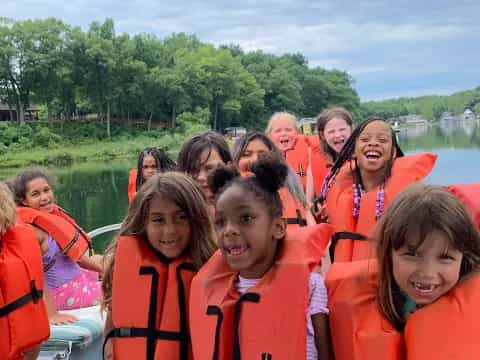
236	250
424	287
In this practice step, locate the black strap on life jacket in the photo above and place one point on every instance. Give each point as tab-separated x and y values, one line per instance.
297	220
344	235
216	311
252	297
33	296
151	332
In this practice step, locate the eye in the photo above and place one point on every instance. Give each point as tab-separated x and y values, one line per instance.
182	216
447	257
246	218
219	223
158	220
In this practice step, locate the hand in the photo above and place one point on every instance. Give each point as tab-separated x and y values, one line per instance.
62	319
319	212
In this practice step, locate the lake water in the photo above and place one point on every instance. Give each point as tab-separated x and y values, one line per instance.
95	193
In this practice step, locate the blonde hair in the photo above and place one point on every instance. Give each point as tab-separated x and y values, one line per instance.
281	115
415	213
8	210
186	194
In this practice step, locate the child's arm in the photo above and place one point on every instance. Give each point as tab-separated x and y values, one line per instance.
94	262
108	355
54	316
32	354
322	336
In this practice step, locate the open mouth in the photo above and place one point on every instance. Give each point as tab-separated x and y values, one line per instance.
284	142
424	288
339	142
235	250
169	243
373	155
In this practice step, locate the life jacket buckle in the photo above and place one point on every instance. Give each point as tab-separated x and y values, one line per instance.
124	332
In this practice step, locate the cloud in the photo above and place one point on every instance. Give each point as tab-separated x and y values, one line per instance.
379	42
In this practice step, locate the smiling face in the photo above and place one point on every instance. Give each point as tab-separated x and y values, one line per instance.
168	227
209	160
149	167
283	133
373	148
427	273
336	133
252	152
247	235
39	195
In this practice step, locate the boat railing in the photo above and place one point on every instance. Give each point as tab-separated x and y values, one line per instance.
104	229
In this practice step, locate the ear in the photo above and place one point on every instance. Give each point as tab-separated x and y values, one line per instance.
279	228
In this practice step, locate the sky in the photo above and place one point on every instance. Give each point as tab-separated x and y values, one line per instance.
390	48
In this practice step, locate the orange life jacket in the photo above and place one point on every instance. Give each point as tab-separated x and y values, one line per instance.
320	168
297	158
267	322
23	317
70	237
293	212
150	299
132	184
455	312
313	141
405	171
359	331
469	194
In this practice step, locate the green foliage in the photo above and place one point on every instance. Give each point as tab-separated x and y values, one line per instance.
431	107
71	72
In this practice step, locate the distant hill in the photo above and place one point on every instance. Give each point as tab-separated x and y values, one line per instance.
430	106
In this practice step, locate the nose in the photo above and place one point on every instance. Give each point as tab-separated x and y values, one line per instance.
230	228
202	177
427	268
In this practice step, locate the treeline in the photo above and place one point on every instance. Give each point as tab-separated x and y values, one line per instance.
74	72
431	107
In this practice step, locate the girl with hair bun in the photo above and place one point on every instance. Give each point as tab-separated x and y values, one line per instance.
259	288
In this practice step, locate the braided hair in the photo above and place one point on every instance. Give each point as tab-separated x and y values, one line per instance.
162	161
346	155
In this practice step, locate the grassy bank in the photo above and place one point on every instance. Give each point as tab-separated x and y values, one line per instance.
67	153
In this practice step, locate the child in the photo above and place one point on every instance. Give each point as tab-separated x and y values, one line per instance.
150	161
68	275
259	298
202	153
428	261
23	319
334	126
164	239
247	149
369	172
282	129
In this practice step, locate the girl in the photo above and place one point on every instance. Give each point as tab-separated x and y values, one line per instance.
150	161
368	173
428	260
164	239
261	290
21	285
247	149
202	153
282	129
334	127
71	275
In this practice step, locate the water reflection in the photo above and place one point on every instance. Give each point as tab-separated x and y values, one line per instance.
447	133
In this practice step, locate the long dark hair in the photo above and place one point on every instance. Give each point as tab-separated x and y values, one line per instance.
348	150
162	161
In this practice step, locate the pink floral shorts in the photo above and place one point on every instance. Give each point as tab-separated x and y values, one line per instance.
82	291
